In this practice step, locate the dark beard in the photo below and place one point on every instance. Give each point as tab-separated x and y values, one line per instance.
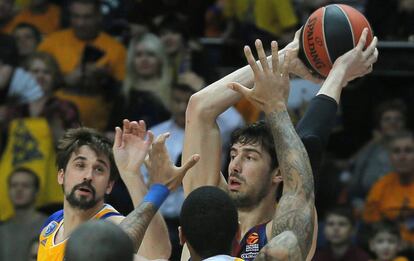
245	201
82	203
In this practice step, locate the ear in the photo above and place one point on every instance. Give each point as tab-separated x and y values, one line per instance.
61	176
276	176
181	236
109	187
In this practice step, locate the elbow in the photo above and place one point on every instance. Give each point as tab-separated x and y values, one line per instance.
198	109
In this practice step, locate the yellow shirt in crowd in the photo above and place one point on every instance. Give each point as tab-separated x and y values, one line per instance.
68	51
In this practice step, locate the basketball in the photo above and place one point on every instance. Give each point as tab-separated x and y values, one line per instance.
328	33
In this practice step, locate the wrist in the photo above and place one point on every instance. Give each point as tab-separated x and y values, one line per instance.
156	195
274	107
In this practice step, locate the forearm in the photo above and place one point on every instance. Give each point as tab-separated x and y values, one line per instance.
332	86
291	153
153	246
217	97
136	223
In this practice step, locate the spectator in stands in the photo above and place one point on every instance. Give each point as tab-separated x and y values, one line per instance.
339	230
392	196
16	233
385	242
372	161
14	81
147	86
42	14
27	39
6	16
84	48
184	54
61	114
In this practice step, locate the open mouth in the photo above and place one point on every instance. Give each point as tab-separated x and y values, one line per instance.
234	184
85	190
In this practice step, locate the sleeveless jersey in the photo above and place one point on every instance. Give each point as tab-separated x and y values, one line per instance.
254	240
48	250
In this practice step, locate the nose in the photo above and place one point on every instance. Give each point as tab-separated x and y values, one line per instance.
235	166
88	174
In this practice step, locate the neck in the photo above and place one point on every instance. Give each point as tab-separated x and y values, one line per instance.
37	106
339	250
258	214
24	214
73	217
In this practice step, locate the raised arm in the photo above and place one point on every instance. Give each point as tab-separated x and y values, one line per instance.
202	133
164	177
130	149
294	218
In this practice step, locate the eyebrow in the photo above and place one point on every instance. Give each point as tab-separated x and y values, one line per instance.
84	158
247	150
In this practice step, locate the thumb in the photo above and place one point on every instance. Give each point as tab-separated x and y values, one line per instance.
239	88
190	163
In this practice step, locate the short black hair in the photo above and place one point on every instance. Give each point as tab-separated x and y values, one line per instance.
73	139
8	50
37	34
385	225
343	211
209	221
257	133
31	173
391	105
99	240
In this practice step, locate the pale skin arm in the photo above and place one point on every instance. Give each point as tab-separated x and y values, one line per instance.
130	149
293	223
161	171
202	133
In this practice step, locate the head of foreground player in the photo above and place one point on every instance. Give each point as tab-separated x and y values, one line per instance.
209	222
253	168
87	169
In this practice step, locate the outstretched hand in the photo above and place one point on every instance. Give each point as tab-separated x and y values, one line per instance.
271	88
130	146
160	168
358	62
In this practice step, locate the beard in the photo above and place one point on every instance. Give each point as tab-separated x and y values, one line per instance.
250	198
82	202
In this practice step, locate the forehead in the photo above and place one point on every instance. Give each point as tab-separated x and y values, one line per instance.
385	235
87	153
20	176
402	142
82	8
240	147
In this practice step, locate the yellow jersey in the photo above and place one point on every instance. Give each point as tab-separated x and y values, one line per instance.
48	250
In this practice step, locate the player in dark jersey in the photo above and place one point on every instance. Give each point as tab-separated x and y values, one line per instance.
254	174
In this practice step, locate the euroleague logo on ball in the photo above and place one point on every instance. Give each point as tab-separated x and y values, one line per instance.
312	41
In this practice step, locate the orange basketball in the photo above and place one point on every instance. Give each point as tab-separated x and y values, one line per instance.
328	33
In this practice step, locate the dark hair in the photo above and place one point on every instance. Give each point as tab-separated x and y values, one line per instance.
31	173
95	3
32	28
403	134
209	221
391	105
73	139
99	240
384	226
257	133
8	50
343	211
173	23
51	64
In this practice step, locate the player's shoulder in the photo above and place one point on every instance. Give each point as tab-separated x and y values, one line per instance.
52	223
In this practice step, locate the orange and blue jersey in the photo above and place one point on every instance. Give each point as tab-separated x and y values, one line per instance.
254	240
48	249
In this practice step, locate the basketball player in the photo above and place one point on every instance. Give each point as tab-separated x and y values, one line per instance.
87	172
253	170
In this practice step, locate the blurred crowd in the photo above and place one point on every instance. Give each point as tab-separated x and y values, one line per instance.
71	63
